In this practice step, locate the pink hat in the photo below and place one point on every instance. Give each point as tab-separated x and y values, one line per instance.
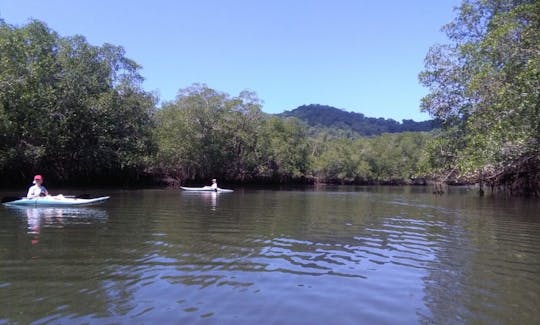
38	177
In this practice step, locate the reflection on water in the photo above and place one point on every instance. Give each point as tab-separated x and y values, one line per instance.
57	217
347	256
208	198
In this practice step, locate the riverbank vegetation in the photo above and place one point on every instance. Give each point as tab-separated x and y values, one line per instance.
485	87
78	114
205	134
70	110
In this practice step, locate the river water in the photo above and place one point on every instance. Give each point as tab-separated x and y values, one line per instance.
331	255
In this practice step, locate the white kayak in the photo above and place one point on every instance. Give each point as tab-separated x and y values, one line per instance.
205	189
58	200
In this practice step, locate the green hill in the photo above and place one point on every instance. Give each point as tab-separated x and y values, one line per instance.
328	117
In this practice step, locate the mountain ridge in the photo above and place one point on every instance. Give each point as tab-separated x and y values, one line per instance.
325	116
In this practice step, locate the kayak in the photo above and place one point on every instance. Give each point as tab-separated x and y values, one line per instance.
206	189
56	201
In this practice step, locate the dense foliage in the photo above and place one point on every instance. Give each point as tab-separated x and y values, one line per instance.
78	114
205	133
386	159
328	118
68	109
485	86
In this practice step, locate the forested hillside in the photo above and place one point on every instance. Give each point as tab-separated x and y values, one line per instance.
331	119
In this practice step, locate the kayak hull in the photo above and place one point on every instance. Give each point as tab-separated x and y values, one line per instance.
205	189
56	201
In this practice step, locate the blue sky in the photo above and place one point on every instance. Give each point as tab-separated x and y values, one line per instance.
361	56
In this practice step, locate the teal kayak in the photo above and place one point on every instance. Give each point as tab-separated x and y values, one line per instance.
55	201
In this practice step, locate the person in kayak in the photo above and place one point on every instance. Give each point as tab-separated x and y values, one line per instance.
37	189
214	184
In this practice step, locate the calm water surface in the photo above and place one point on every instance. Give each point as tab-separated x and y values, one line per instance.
337	255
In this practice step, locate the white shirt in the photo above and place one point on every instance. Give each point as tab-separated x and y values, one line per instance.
35	191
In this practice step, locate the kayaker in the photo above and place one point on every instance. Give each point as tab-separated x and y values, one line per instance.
37	189
214	184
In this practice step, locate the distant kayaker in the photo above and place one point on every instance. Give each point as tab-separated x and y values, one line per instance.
37	189
214	184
